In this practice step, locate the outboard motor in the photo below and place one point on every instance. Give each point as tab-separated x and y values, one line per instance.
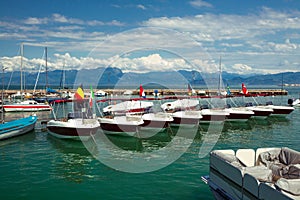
269	103
290	102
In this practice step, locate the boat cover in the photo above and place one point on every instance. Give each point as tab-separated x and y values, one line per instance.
283	162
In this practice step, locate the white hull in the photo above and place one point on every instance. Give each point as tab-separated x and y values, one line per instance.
186	118
27	106
156	122
217	116
78	129
121	125
238	114
25	109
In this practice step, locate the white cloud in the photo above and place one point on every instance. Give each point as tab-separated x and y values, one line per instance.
200	3
287	46
140	6
212	27
248	40
241	68
35	21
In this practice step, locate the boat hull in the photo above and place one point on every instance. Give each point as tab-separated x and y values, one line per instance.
17	127
73	129
121	125
156	121
186	118
281	110
238	117
26	108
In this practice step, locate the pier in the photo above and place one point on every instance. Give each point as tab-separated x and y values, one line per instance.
167	92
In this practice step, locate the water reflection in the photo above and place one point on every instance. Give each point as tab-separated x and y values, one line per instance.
72	162
23	139
126	143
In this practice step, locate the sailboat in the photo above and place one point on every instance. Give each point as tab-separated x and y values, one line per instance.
15	127
25	105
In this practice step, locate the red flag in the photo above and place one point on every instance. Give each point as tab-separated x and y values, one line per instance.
91	97
142	92
244	89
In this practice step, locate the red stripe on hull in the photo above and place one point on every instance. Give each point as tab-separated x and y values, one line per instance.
24	107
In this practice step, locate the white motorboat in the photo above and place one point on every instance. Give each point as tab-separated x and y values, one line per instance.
214	115
259	111
156	121
180	104
188	117
267	173
136	107
238	114
280	110
76	126
128	125
27	105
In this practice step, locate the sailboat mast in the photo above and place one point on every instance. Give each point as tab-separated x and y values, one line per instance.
46	55
21	70
220	76
2	96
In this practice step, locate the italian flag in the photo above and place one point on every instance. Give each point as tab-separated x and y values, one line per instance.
91	97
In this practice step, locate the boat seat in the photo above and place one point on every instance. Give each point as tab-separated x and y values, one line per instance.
283	162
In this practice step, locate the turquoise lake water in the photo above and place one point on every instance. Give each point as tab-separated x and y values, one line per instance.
39	166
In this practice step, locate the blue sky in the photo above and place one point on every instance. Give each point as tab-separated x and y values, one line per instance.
257	36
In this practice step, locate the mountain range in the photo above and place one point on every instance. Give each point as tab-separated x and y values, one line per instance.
116	78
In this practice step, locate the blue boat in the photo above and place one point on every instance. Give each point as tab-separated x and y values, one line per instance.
17	127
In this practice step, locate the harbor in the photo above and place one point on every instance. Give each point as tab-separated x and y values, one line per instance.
150	100
46	165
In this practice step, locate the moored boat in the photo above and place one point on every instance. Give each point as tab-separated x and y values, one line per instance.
17	127
121	125
267	173
28	106
280	110
259	111
238	114
187	117
78	126
213	115
156	121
